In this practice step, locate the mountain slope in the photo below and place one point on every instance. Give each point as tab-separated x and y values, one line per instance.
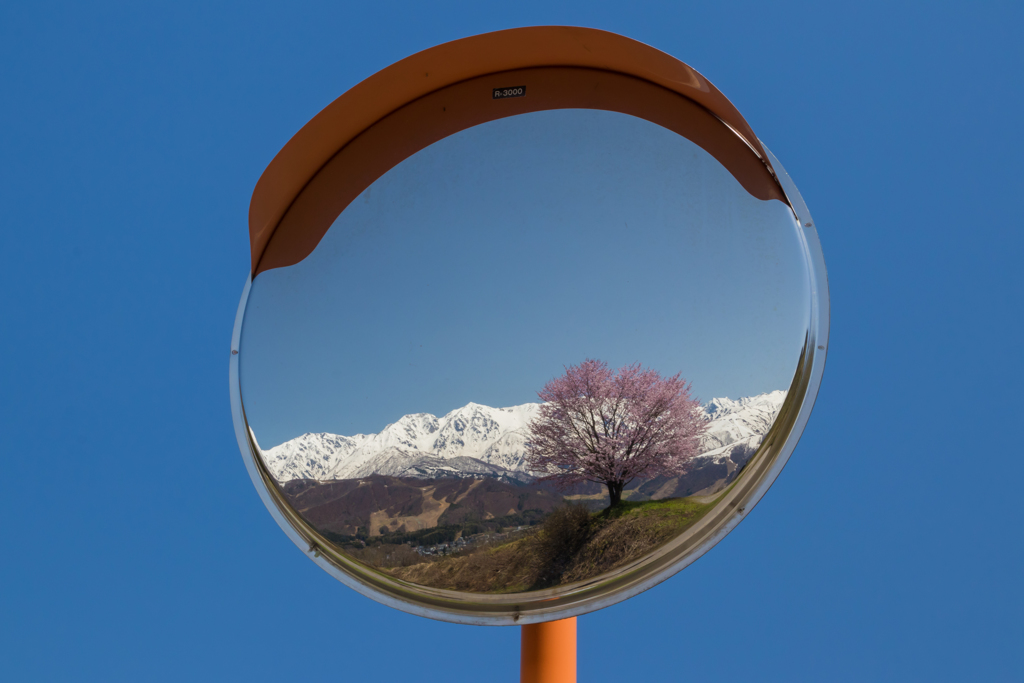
479	441
476	440
381	504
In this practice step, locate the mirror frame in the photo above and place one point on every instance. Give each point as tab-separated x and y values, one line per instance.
448	88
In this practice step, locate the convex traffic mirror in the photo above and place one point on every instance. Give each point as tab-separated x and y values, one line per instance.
534	320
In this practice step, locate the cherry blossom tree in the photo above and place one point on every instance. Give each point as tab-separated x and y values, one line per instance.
610	427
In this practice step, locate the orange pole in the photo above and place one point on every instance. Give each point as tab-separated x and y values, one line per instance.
549	652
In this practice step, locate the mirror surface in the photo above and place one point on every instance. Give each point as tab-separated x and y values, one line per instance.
395	379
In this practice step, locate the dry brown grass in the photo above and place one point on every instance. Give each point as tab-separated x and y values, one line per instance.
509	567
615	544
573	545
386	555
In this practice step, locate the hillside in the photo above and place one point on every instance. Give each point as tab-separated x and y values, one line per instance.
573	544
379	505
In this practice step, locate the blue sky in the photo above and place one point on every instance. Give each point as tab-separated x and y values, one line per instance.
135	547
480	267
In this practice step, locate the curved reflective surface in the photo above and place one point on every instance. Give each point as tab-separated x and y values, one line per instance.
534	369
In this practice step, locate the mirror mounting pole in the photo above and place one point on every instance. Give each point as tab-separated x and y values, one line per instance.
548	652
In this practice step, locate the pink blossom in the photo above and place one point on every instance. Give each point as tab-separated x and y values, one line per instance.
613	427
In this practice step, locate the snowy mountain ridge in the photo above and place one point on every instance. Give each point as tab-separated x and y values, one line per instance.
479	441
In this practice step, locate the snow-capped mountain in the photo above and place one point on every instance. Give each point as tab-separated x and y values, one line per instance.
477	440
732	421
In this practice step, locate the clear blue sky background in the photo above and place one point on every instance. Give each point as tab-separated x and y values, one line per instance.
134	546
480	267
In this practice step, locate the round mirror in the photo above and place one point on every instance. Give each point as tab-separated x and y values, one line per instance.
513	365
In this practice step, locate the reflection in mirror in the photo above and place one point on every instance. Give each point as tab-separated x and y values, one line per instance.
531	353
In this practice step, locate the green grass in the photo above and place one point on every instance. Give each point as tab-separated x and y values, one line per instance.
668	515
675	506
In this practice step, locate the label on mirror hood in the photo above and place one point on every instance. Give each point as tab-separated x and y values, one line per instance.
502	93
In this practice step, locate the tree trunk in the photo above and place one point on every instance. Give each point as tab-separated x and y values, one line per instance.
614	493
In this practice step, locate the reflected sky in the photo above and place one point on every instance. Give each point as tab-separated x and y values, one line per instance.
479	267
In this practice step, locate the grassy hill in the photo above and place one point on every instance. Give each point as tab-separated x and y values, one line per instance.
572	544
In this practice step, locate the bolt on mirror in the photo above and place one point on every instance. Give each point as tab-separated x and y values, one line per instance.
534	320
